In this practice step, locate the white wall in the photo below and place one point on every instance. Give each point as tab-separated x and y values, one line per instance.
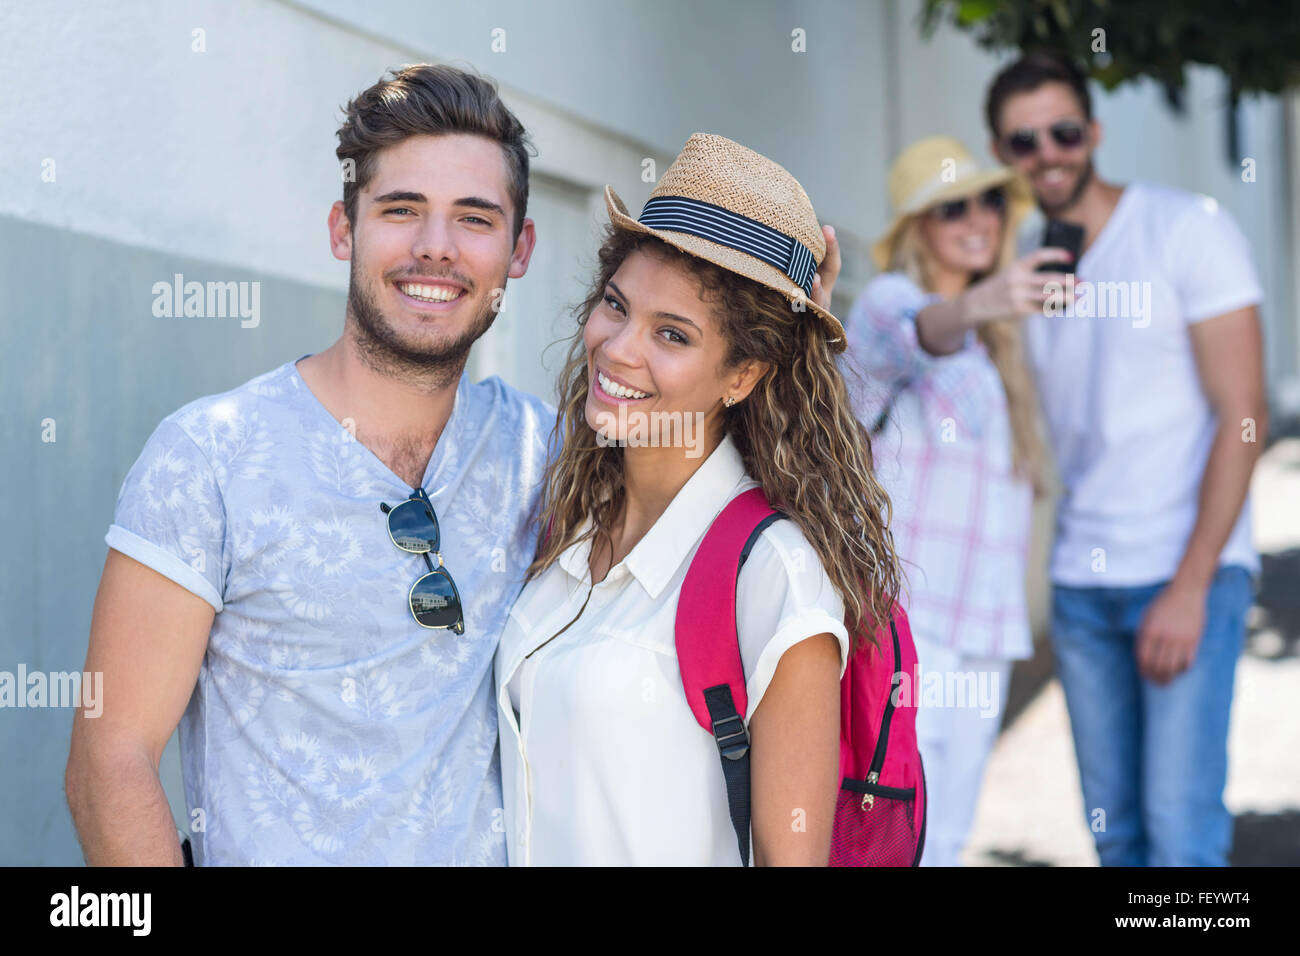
227	154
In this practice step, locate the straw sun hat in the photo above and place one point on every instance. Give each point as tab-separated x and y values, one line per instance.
934	171
730	206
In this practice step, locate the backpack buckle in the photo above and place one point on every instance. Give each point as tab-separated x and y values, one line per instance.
740	745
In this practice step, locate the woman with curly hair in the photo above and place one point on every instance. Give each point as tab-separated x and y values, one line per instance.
704	367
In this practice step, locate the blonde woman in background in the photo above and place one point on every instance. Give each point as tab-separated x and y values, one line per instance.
934	344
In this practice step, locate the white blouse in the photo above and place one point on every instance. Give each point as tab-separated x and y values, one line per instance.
602	762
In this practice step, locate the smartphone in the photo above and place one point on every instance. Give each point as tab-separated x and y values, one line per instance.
1062	235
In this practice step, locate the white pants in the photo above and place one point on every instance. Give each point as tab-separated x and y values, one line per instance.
962	699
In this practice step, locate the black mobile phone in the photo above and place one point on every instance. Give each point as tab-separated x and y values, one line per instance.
1062	235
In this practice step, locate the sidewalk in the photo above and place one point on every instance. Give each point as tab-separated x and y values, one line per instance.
1031	810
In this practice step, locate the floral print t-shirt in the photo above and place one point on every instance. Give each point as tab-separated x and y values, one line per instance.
327	726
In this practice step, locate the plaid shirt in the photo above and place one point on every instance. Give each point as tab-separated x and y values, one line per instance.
961	518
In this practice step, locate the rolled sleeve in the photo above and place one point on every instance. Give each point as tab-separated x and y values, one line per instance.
170	515
783	597
1211	263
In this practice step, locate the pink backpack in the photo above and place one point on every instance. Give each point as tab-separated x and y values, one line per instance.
880	813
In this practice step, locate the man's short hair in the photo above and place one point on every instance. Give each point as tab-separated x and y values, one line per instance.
429	99
1029	73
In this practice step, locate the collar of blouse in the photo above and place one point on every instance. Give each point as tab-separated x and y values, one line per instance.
657	556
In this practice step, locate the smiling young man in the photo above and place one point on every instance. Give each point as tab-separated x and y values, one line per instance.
324	642
1156	415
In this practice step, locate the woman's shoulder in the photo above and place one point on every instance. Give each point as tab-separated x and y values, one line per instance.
784	568
783	597
889	288
883	309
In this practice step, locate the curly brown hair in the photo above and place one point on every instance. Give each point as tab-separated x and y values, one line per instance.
796	433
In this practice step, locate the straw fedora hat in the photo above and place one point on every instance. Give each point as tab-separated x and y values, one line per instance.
936	170
726	204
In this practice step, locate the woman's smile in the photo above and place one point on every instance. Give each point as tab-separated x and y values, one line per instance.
615	391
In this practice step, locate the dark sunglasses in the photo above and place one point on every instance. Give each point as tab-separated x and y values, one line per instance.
1068	134
434	600
994	200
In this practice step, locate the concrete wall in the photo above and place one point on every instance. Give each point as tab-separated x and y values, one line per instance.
129	156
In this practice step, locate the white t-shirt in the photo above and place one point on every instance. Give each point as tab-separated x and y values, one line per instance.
1128	418
605	763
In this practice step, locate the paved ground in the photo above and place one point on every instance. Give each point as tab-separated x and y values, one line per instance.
1031	810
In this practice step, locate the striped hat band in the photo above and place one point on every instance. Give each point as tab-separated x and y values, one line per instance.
707	221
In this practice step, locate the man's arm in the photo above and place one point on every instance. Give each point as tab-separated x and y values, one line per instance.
147	637
1229	360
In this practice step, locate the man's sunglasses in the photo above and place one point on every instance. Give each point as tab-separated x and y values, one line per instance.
994	200
1068	134
434	600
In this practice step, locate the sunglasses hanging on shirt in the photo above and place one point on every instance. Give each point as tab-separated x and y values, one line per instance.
434	600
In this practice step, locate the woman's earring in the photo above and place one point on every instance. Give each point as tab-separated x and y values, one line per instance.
730	400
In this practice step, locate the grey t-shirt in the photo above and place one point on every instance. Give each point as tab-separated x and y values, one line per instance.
327	727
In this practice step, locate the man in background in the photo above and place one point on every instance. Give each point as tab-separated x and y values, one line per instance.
1153	392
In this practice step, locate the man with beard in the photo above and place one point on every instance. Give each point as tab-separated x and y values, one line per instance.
1156	421
310	572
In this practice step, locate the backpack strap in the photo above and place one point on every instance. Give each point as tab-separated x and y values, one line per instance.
708	646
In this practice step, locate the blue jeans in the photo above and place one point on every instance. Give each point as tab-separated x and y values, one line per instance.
1153	758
